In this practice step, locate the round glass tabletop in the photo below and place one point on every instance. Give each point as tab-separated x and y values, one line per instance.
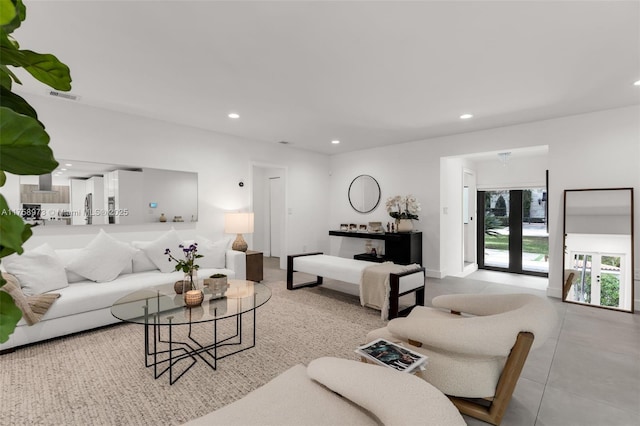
161	305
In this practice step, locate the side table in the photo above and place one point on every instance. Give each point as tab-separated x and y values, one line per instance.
255	266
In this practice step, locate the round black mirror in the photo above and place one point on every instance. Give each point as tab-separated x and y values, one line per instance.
364	194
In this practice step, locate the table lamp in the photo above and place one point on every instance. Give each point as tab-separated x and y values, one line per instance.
238	223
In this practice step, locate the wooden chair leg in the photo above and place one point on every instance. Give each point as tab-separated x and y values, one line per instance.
494	412
567	285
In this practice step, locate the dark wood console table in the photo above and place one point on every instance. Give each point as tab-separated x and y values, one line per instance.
402	248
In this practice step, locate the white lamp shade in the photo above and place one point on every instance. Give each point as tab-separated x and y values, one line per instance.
238	223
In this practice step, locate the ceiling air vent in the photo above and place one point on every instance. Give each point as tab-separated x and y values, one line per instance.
64	95
285	142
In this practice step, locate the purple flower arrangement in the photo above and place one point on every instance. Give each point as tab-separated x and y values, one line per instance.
186	265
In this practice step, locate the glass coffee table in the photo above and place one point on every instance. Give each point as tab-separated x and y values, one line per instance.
161	311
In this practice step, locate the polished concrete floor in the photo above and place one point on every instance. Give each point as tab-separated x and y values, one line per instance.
587	373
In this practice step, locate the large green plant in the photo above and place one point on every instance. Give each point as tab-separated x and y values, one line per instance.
24	143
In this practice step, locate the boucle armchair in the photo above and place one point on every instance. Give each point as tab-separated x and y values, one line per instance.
333	391
477	345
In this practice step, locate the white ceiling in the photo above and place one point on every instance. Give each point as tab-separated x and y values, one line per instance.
366	73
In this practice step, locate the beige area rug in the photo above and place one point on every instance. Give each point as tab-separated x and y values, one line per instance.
99	377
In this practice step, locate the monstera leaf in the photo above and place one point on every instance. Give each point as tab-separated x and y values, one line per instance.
9	315
24	143
13	231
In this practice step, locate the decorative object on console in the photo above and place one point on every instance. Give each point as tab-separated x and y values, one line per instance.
344	227
405	225
368	246
403	210
163	218
375	227
239	223
353	227
362	228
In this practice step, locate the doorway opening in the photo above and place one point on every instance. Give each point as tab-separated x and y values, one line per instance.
512	233
469	233
269	207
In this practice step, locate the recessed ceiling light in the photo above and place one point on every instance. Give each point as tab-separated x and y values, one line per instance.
63	169
466	116
637	83
68	164
234	115
335	142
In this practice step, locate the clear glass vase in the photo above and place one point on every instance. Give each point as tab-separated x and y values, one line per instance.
190	281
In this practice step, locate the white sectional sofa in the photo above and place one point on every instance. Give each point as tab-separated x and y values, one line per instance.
85	303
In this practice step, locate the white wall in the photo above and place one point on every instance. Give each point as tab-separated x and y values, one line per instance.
79	132
595	150
518	173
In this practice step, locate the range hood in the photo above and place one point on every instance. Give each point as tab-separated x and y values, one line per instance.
45	184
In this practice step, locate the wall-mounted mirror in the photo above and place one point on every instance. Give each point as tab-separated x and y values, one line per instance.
364	194
85	193
598	248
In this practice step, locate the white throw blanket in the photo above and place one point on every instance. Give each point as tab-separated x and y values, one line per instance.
375	286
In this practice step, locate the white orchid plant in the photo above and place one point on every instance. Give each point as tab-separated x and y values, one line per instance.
406	207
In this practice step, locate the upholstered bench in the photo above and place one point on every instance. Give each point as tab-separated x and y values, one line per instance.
404	280
333	391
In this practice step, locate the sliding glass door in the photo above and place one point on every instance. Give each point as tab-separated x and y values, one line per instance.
513	234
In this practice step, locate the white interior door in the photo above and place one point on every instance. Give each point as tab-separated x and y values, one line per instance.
276	215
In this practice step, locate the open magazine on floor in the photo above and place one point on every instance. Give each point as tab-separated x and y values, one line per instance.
392	355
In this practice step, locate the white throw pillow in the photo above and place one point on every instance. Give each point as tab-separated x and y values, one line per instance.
39	270
103	259
155	250
66	256
214	253
141	262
